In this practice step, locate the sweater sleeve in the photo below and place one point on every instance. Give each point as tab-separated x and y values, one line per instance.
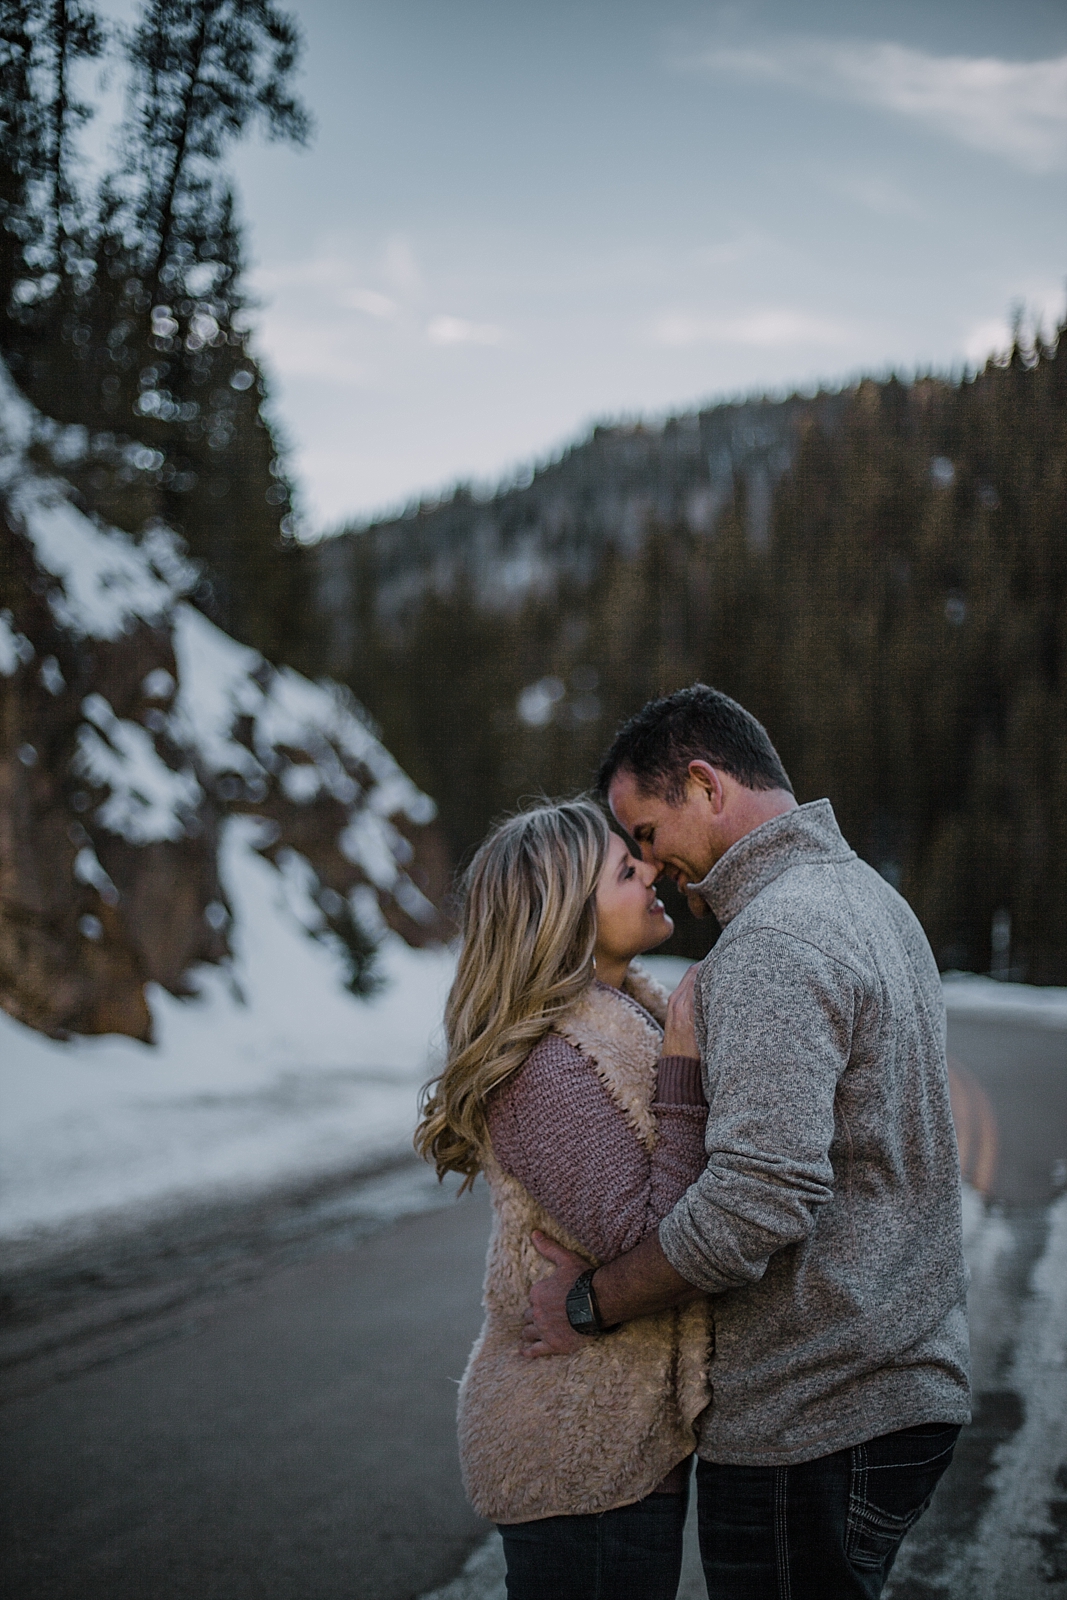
555	1128
778	1031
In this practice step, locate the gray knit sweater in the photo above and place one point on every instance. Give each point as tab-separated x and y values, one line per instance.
827	1220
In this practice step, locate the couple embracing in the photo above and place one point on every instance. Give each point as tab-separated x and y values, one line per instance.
726	1224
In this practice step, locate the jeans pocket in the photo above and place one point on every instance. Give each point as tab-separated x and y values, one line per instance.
887	1497
874	1533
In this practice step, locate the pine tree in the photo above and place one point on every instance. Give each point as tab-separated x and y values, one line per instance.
41	213
125	311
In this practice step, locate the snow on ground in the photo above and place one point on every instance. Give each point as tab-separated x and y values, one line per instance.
273	1074
968	995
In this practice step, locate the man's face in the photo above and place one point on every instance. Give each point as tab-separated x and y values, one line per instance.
679	840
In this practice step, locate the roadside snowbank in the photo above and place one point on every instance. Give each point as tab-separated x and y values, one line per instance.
968	995
274	1073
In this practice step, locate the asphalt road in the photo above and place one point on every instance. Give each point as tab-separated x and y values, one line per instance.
290	1438
261	1405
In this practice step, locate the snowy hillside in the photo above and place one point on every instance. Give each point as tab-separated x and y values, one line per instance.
135	735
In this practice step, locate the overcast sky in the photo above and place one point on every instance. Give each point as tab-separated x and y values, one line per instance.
518	216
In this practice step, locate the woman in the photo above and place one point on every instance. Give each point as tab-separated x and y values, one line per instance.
588	1123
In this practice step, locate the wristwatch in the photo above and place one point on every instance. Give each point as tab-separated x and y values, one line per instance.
583	1313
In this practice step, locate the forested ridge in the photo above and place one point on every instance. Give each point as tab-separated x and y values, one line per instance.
880	574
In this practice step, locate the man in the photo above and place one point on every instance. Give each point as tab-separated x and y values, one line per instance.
826	1225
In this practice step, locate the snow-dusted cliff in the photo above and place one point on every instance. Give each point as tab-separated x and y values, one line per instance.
133	737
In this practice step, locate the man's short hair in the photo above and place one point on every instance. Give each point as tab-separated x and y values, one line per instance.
694	724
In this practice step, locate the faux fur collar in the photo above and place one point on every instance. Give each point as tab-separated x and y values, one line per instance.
622	1043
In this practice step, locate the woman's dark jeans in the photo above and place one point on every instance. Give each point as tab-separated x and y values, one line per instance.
825	1530
632	1553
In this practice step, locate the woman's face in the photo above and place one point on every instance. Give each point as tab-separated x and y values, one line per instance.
630	916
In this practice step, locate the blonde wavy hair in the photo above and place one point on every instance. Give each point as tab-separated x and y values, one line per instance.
528	933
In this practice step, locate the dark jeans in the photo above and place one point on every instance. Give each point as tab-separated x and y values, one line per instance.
825	1530
633	1553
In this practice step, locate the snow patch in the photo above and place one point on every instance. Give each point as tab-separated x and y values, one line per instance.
158	684
51	676
15	648
215	689
236	719
484	1575
147	798
273	1072
274	1069
105	581
968	995
224	686
88	869
1005	1556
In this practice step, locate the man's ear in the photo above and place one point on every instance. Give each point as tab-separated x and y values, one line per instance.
709	779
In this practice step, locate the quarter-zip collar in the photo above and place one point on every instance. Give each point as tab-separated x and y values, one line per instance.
795	838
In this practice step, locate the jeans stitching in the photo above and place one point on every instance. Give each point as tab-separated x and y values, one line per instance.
912	1466
598	1570
781	1531
857	1496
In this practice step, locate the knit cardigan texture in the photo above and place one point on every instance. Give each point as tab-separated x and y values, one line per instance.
601	1427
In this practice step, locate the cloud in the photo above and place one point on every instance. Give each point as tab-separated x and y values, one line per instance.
1039	307
304	346
1015	109
400	266
340	271
369	302
985	339
876	194
456	330
768	329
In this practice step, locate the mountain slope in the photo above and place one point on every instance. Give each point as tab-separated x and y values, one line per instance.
553	526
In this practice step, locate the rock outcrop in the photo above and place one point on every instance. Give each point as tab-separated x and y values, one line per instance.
130	728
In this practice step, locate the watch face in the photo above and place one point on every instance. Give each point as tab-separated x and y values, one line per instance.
580	1312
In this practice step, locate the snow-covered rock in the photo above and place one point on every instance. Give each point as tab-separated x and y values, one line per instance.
131	729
